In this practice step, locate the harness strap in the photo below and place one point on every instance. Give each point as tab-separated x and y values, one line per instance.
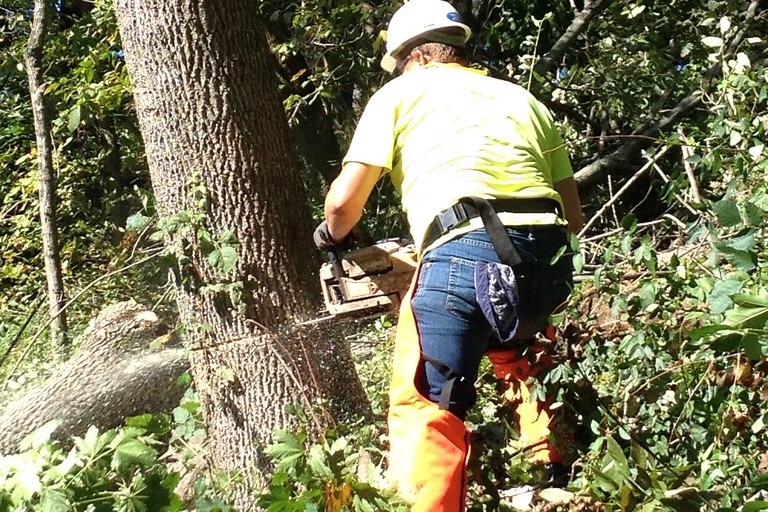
455	386
503	245
450	380
470	207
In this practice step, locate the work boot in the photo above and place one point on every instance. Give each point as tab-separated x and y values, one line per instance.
557	474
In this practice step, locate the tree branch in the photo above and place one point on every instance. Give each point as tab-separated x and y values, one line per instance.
33	56
625	154
550	60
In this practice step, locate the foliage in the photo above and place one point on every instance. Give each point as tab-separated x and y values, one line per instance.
113	470
331	475
117	470
663	378
101	179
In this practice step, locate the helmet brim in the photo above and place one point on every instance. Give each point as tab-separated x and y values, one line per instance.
436	35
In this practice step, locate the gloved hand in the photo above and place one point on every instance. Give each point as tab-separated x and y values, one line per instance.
324	242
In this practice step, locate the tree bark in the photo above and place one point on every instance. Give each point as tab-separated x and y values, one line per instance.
33	56
115	373
221	159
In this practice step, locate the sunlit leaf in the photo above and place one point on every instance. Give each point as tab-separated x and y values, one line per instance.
39	436
73	121
133	451
712	42
54	500
747	316
727	213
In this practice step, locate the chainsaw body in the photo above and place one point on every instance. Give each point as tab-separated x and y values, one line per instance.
369	280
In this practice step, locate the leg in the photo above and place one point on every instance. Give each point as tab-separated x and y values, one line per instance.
513	367
543	287
437	352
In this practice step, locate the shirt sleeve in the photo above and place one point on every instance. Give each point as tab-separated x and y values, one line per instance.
374	140
560	162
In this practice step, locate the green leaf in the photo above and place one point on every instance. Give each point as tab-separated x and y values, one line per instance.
747	317
157	424
615	464
140	421
752	347
728	343
136	222
286	450
53	500
739	251
748	299
754	505
39	436
744	242
755	215
712	41
318	463
339	445
25	481
757	426
605	482
228	374
73	122
578	262
228	258
727	213
629	223
702	332
719	299
133	451
206	504
214	258
71	462
556	495
760	483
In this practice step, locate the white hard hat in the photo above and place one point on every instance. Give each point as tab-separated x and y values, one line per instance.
422	18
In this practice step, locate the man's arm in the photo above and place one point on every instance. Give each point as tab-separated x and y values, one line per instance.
570	196
347	196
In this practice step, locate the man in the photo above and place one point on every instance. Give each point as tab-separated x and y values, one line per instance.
479	164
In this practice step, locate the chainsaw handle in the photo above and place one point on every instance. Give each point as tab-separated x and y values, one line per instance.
335	260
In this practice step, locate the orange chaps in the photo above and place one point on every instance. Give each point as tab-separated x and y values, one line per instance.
534	418
429	447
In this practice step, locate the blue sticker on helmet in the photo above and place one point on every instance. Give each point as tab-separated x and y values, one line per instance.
454	16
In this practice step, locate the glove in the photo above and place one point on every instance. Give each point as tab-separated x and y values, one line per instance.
324	242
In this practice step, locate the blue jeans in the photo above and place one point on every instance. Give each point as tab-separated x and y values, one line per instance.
452	328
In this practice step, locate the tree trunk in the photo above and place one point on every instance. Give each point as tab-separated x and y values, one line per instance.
220	157
33	56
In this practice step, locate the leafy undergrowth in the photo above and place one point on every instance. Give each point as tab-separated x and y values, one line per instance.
661	394
661	391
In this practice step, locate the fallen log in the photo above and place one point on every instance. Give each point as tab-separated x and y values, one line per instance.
118	371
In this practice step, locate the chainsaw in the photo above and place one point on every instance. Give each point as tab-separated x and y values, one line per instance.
367	281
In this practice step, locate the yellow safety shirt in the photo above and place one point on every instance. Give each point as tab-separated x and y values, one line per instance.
445	131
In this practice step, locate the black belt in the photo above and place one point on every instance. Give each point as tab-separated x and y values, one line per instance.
468	208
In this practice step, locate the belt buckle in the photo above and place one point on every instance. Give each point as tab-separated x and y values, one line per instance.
451	217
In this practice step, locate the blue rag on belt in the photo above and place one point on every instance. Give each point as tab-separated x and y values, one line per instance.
496	292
